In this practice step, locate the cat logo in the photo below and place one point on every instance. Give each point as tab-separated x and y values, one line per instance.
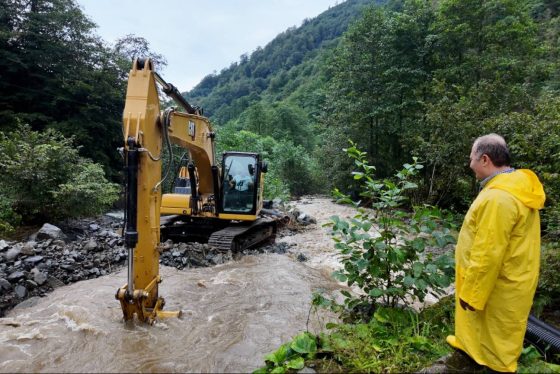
192	129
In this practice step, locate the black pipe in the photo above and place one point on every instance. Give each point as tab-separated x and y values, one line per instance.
131	169
543	336
194	189
217	195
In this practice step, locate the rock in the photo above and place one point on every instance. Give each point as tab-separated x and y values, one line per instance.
49	231
28	303
13	253
28	248
306	370
16	276
301	257
94	227
33	260
5	285
113	242
3	245
217	259
117	215
276	203
20	291
91	245
294	212
167	245
31	284
54	282
38	276
59	243
94	271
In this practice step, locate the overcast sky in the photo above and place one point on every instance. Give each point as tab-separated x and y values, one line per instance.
199	37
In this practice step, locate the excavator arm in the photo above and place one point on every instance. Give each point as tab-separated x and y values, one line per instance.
145	129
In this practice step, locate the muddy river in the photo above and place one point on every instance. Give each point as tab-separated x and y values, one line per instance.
233	314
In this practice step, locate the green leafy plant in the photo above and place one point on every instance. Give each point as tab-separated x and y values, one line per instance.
391	254
394	340
531	361
291	356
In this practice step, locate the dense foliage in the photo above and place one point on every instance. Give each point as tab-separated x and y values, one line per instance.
386	251
427	79
44	178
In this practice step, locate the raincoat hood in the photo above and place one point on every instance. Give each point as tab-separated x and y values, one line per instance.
523	184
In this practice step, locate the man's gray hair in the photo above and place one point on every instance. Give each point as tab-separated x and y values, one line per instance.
495	147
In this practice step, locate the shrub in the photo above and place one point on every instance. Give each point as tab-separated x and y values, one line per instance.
385	249
8	218
45	178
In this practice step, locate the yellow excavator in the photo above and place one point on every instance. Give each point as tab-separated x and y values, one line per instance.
218	204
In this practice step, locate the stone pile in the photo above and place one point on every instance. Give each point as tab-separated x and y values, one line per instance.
53	257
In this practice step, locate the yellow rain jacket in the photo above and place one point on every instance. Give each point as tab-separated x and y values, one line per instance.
497	262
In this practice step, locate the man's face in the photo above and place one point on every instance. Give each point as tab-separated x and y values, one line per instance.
478	164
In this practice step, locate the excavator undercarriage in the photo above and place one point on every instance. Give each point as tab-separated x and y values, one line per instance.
224	235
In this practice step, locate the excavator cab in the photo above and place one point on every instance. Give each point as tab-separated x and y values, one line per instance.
241	183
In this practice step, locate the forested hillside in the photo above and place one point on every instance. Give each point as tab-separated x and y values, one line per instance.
412	78
276	70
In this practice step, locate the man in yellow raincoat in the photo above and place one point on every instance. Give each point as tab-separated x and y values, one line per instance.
497	258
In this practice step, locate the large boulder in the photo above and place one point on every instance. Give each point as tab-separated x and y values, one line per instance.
49	231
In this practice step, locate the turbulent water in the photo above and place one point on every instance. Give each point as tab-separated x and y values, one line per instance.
233	314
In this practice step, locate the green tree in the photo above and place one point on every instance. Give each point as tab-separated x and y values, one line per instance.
56	73
44	177
378	79
131	46
486	56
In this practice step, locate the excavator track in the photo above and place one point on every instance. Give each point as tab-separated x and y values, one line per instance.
240	237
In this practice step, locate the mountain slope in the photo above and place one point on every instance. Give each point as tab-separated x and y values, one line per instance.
276	70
